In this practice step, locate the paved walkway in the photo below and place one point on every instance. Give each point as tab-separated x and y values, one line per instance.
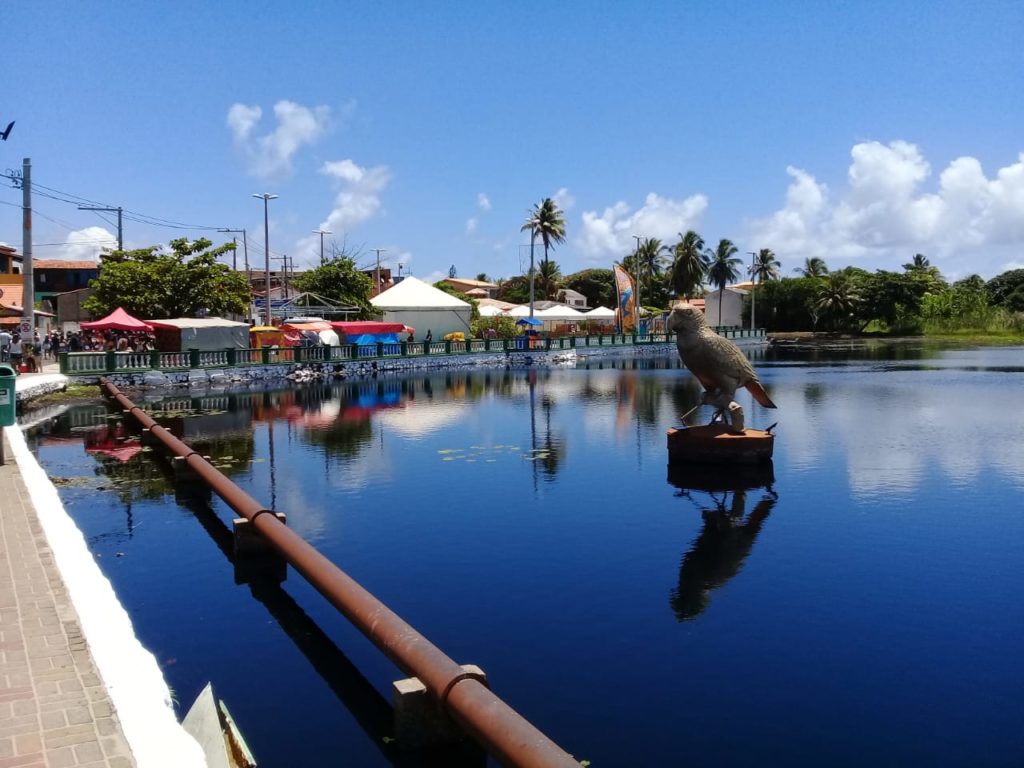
54	709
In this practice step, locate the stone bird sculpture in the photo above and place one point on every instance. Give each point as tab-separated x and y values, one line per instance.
717	363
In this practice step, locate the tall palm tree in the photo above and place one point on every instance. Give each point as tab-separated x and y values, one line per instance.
689	265
723	269
813	267
650	259
765	267
547	222
837	297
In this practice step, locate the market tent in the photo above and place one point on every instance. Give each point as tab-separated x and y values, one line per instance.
520	310
559	312
294	332
206	334
356	327
118	320
414	302
490	311
600	313
529	321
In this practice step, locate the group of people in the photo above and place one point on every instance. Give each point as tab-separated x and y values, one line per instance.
16	348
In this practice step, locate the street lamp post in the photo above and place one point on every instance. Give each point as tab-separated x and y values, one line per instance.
322	232
266	197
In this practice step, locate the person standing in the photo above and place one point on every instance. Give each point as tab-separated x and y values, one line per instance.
5	345
16	351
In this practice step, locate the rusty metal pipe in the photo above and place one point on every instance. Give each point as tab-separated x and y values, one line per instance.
489	720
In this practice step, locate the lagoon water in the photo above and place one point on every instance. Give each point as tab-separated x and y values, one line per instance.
860	603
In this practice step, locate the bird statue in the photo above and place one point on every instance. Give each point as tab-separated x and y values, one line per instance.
717	363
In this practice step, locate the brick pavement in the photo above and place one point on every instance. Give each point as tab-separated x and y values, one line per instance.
54	709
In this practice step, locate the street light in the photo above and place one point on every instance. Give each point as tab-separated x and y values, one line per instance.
266	197
322	232
245	248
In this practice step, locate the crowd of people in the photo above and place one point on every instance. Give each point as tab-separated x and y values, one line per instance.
16	349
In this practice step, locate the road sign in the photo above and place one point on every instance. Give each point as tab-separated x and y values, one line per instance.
26	327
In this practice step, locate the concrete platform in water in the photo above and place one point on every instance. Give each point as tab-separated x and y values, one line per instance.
718	444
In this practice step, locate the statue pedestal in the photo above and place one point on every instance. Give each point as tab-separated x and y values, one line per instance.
718	444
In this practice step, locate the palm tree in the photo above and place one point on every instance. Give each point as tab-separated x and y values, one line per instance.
649	260
813	267
723	269
547	222
837	297
765	267
689	265
550	276
919	264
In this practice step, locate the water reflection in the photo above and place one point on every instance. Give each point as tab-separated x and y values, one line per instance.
729	533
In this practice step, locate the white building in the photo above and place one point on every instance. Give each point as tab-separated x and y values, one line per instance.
732	307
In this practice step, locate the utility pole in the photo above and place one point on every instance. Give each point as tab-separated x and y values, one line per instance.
753	286
118	211
28	300
285	260
322	232
377	278
266	197
638	304
245	248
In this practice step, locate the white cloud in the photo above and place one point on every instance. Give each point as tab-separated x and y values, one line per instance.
563	199
272	154
884	214
611	232
483	202
356	201
471	225
84	244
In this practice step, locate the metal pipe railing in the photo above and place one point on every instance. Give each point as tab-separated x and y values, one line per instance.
486	718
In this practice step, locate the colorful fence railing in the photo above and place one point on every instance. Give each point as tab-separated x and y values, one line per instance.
93	363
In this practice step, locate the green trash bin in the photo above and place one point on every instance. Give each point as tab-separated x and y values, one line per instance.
7	396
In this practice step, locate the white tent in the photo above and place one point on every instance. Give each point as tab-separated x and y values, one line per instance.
559	312
420	305
487	310
600	313
520	310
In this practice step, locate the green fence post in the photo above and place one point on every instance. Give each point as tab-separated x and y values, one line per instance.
232	356
265	355
447	347
154	359
193	358
380	349
63	362
111	361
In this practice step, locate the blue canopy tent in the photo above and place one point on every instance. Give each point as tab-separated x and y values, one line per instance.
529	321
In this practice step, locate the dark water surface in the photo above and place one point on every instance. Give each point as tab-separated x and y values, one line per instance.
865	606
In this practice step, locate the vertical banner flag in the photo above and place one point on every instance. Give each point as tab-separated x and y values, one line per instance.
627	311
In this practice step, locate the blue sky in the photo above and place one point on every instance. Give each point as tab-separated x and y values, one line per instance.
858	132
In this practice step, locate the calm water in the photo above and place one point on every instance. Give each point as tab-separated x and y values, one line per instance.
861	603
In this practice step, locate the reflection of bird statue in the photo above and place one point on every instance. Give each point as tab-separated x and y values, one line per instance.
717	363
718	553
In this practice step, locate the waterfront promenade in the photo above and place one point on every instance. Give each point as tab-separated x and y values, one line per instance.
54	708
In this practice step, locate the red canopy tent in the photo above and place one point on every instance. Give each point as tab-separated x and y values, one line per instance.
118	320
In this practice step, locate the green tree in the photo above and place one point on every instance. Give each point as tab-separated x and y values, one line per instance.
765	267
503	325
838	299
689	265
813	267
723	269
155	284
650	261
920	261
598	285
547	222
340	281
515	290
550	277
894	299
1007	290
786	304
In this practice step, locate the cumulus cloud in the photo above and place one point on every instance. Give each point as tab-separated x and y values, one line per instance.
271	154
84	245
483	202
563	199
611	233
357	200
883	212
